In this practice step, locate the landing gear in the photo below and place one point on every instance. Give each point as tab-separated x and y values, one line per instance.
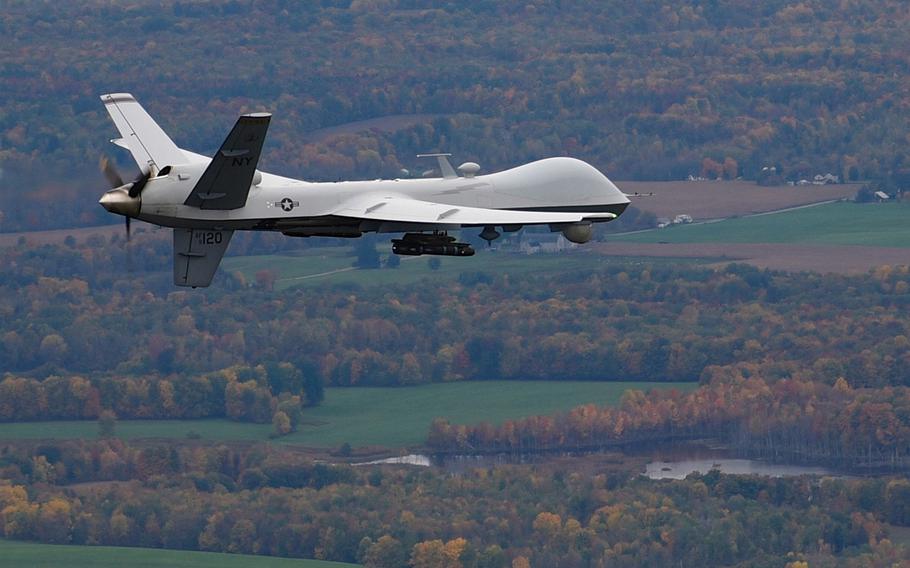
416	244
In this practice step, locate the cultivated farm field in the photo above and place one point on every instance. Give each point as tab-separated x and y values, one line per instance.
719	199
867	224
845	238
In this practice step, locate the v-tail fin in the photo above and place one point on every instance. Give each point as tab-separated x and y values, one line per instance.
225	183
150	146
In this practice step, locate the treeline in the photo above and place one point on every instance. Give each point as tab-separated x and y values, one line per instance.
205	467
616	321
786	419
263	500
643	91
252	394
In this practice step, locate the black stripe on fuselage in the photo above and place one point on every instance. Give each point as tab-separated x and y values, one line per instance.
615	208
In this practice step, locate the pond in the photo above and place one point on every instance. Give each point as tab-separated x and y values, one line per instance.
681	469
410	459
669	461
676	461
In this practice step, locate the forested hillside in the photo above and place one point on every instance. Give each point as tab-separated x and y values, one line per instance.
643	90
71	320
620	321
573	514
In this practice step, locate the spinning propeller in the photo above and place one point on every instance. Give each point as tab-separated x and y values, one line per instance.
124	198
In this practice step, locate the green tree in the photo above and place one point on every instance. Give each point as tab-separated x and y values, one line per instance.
366	253
313	389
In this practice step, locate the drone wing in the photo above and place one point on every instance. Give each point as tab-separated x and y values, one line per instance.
400	209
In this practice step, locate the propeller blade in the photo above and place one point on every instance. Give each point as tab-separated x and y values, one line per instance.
129	248
109	172
140	182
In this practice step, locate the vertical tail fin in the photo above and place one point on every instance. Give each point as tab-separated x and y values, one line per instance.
147	142
197	254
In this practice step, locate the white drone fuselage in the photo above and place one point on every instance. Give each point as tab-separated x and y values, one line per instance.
205	199
553	185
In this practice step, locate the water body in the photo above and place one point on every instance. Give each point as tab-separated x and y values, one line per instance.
410	459
681	469
670	462
457	463
676	461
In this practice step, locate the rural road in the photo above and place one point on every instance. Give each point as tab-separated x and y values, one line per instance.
331	272
317	275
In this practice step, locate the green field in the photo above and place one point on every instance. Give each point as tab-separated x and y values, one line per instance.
316	267
32	555
869	224
401	416
393	417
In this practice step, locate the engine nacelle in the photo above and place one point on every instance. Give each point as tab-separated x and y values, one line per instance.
578	233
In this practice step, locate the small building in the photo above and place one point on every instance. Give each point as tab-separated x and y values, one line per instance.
533	243
820	179
682	219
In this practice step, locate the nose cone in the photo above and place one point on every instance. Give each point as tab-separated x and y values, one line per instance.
118	201
614	192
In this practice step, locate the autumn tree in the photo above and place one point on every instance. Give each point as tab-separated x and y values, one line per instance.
386	552
281	424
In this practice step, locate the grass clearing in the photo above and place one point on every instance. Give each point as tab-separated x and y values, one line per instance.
398	417
291	267
868	224
34	555
393	417
332	266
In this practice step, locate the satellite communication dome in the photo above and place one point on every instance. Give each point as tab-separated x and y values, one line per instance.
469	169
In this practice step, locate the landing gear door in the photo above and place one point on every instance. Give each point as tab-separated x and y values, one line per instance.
197	254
